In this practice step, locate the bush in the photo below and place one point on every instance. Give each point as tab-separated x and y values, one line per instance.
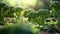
19	29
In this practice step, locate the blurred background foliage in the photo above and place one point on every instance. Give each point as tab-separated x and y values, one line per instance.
29	16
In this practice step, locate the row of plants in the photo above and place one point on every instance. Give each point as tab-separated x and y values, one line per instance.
41	15
36	17
18	27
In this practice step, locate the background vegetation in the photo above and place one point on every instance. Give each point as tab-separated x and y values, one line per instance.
30	20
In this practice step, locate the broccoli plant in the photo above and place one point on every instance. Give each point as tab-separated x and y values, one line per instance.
30	14
43	13
17	13
9	11
56	5
1	11
37	16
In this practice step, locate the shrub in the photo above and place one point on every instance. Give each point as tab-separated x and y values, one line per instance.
23	28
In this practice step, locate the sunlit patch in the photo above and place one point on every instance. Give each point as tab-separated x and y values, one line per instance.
18	2
11	2
30	2
27	3
24	3
21	3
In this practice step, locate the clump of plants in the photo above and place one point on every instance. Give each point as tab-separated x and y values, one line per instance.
37	16
18	27
21	28
56	6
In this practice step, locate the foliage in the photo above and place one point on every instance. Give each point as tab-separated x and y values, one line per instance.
1	16
56	0
43	13
33	16
56	5
17	29
9	11
36	16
